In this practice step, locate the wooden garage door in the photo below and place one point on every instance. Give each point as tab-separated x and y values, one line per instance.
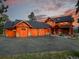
21	32
41	32
10	33
34	32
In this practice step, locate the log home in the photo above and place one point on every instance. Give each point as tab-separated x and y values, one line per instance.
21	28
61	25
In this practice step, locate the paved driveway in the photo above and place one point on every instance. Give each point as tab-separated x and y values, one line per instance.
35	44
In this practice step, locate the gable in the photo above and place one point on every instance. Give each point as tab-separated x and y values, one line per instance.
22	24
50	22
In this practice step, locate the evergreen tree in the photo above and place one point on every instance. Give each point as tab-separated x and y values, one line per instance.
32	16
3	16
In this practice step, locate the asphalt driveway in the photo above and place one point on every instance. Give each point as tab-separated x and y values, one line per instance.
35	44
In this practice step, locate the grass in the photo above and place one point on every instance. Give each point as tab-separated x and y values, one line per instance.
43	55
75	38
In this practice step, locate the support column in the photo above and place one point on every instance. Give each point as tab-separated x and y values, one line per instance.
71	31
54	32
59	30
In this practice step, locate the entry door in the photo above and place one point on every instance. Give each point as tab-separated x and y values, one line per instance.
65	31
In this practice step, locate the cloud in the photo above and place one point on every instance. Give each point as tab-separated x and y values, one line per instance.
53	5
43	3
15	2
11	2
41	7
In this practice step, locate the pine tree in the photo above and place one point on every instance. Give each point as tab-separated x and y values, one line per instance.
32	16
3	16
3	7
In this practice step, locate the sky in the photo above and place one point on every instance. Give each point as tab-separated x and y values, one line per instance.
20	9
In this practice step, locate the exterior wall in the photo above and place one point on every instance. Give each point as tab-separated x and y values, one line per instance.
22	30
42	32
10	33
48	31
65	31
34	32
26	32
29	32
57	30
64	24
51	23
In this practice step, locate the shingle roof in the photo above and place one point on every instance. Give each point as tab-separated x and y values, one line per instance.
64	19
16	21
34	24
8	24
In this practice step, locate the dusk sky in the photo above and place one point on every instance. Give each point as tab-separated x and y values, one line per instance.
20	9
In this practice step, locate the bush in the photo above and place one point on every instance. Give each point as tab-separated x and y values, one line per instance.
1	31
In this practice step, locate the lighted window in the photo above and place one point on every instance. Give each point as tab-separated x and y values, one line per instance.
14	30
65	22
23	28
61	23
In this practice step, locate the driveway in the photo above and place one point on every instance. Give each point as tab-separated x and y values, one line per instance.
10	46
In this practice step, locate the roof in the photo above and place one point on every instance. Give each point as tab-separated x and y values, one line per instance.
64	19
8	24
34	24
16	21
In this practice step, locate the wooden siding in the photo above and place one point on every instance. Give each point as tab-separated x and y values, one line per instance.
10	33
23	30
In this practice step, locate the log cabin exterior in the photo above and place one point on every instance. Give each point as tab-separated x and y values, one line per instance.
21	28
61	25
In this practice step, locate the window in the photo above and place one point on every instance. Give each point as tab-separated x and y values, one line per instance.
23	28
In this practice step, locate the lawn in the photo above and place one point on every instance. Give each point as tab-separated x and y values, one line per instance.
44	55
32	44
75	38
49	47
